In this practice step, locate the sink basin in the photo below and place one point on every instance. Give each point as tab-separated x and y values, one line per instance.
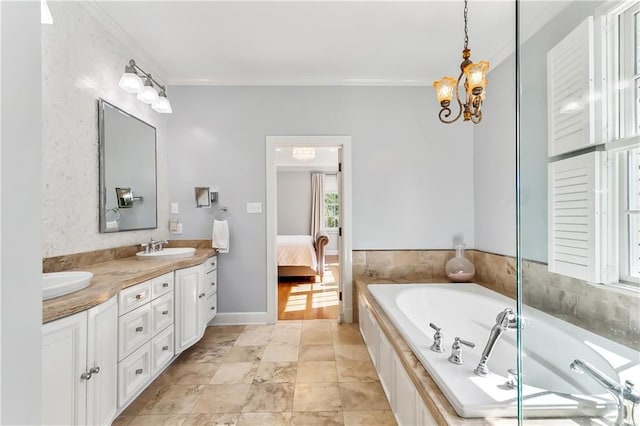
56	284
167	254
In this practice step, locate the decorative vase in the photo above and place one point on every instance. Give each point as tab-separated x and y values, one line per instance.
459	268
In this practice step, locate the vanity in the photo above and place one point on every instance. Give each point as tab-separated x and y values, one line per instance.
104	344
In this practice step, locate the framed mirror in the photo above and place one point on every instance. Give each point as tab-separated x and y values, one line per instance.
128	191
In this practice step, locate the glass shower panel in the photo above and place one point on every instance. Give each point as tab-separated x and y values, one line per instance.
580	313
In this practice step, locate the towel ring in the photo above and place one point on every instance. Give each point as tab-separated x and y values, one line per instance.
221	214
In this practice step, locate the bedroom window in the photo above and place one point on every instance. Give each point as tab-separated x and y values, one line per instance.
331	210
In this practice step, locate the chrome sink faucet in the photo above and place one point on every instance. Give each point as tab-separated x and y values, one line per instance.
506	320
627	397
153	246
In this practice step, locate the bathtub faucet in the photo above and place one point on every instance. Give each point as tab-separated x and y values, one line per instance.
627	397
504	321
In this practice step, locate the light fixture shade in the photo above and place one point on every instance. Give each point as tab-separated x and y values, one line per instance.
130	81
162	105
476	75
304	153
445	89
148	94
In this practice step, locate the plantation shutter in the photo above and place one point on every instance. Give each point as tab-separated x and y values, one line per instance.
574	215
570	88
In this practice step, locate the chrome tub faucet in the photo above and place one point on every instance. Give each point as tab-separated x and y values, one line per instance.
506	320
627	397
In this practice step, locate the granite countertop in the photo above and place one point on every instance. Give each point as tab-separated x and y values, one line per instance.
110	277
433	398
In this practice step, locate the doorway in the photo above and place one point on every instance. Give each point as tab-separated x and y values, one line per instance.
301	293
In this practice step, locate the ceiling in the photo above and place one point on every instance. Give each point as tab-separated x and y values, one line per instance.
317	42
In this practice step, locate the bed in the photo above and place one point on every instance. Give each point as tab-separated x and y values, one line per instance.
301	255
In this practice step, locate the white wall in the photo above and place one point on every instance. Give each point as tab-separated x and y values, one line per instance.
82	61
20	221
494	164
412	175
294	203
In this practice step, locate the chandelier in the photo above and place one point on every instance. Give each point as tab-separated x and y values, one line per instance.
475	83
303	153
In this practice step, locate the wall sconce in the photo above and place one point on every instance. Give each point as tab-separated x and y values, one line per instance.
131	81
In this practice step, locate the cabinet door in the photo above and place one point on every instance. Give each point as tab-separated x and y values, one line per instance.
212	306
102	360
187	319
64	360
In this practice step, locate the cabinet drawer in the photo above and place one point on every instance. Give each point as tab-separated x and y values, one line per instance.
134	372
210	283
161	350
161	313
210	265
212	306
132	297
134	329
161	285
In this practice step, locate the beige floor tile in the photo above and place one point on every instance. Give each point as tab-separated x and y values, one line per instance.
347	334
265	419
285	336
153	392
316	353
356	371
253	338
221	339
258	327
363	396
317	418
316	337
235	372
220	329
276	372
351	353
205	353
319	325
244	354
317	372
316	397
209	419
177	399
368	418
274	353
271	397
188	373
221	399
288	324
159	419
123	421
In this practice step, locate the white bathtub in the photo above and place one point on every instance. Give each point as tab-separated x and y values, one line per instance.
468	311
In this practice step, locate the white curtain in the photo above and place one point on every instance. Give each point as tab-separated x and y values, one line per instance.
317	203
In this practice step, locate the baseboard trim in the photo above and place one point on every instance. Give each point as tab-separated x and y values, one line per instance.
240	318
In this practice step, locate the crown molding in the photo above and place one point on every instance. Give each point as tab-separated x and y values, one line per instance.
301	82
137	52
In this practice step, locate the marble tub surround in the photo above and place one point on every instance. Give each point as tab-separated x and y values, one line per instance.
494	271
80	260
605	310
112	276
314	372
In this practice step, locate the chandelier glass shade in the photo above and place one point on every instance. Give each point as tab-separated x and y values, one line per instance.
132	82
474	83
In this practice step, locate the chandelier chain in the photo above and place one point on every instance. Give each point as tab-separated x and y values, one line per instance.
466	29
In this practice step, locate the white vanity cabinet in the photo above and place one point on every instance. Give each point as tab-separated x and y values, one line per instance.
145	325
79	367
196	302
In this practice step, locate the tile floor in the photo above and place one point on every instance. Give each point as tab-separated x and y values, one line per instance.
314	372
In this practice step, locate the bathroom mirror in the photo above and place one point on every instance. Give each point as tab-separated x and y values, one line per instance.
127	148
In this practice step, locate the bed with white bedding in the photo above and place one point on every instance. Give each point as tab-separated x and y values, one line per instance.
301	255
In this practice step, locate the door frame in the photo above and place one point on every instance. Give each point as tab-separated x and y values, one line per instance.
346	284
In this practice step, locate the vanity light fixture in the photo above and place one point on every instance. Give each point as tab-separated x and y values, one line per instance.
475	84
132	82
303	153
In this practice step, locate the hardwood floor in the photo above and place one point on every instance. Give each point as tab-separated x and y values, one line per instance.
309	298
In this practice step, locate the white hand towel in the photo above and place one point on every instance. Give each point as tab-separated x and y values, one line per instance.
220	237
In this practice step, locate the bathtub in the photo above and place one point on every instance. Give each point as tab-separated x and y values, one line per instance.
468	311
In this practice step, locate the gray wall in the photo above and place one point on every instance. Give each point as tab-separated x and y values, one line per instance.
294	203
412	175
494	164
20	221
533	127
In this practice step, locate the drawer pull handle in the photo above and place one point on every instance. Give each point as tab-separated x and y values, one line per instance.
165	312
139	329
201	295
85	376
213	308
165	348
139	371
138	296
213	283
165	285
94	370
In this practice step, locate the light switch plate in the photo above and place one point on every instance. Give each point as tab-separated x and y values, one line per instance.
174	208
254	208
